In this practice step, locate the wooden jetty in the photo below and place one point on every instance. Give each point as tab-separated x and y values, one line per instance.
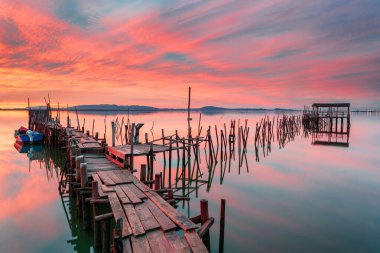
329	123
108	195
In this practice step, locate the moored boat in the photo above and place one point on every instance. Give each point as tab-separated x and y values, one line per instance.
23	135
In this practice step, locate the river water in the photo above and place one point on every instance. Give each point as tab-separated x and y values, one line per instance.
297	198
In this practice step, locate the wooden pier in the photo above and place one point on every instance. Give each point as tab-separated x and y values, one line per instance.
125	214
329	123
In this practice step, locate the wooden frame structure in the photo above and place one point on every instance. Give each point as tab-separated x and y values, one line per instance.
329	123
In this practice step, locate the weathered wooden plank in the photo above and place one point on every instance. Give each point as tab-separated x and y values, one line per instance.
94	156
158	242
107	189
140	244
106	179
118	211
100	191
136	182
96	160
127	247
101	166
146	217
130	194
195	242
164	221
122	196
117	179
95	170
176	216
124	151
178	243
123	177
137	191
115	161
134	220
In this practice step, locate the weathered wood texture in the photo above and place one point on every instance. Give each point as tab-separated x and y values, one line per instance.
148	220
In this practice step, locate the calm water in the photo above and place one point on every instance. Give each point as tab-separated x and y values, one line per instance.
301	198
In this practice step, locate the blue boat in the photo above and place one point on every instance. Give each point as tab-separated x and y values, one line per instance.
23	135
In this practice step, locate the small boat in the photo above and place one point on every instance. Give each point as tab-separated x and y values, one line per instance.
23	135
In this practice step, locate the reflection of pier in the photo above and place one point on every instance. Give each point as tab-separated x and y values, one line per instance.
331	139
328	123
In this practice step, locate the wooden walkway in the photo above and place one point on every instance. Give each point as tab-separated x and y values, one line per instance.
149	223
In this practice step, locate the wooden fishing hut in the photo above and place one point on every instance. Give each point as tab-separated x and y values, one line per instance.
329	123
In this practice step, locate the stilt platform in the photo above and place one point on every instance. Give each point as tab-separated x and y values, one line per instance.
143	220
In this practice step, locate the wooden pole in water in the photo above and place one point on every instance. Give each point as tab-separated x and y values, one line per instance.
163	143
222	224
105	236
189	136
113	133
68	118
117	237
93	125
143	172
132	140
76	112
204	218
96	225
170	162
78	161
83	175
188	115
151	157
157	181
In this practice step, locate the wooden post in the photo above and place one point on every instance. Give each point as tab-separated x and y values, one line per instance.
132	141
117	237
78	161
105	236
86	212
126	134
95	195
188	115
143	172
204	210
163	143
95	192
113	133
204	218
93	125
97	136
83	174
68	117
97	234
151	156
170	194
157	181
222	219
170	162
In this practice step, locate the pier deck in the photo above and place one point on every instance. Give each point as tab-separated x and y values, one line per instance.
149	222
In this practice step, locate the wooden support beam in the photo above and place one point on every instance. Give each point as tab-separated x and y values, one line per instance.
205	227
117	236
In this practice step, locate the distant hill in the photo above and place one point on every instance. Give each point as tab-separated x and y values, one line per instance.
212	108
142	108
108	107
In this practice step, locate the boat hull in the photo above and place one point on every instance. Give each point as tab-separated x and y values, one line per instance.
24	138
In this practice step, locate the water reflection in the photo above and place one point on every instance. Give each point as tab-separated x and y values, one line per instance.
299	196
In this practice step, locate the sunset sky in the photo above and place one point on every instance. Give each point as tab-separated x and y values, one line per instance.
280	53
